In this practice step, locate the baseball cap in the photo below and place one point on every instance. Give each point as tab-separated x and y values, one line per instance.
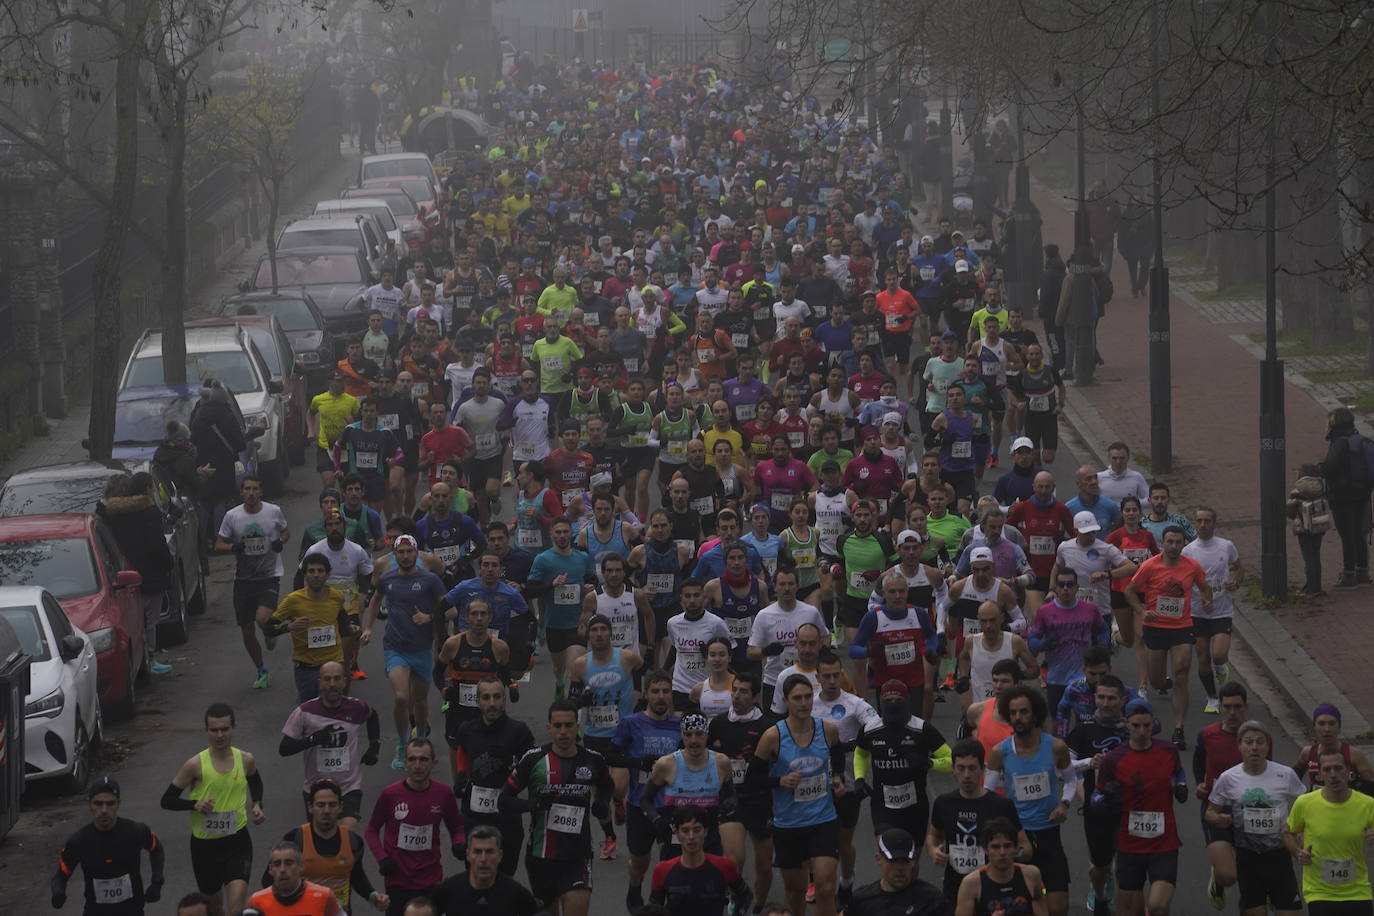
896	845
1085	521
925	239
336	374
528	262
103	785
893	688
570	426
1023	442
760	184
1137	707
869	432
961	267
909	536
980	555
892	417
949	335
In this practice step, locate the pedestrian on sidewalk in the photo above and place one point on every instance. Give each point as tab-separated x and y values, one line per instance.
1134	242
1051	284
1082	303
1311	515
1104	219
1348	485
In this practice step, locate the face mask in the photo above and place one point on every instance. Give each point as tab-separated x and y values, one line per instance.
889	399
894	712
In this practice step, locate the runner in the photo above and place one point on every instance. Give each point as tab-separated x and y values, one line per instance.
688	636
371	451
629	612
331	852
1043	521
1002	887
898	890
1216	751
691	777
735	735
109	852
736	597
464	661
1220	560
1080	697
328	414
486	751
658	564
566	576
984	650
958	817
316	619
480	416
255	532
221	779
289	889
862	555
350	572
696	882
849	714
1326	832
1326	729
329	730
773	637
1089	743
899	749
1063	629
711	697
899	640
488	885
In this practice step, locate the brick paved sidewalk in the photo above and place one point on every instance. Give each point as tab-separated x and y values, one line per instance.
1216	449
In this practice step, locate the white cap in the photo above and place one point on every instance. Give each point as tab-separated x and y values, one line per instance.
1023	442
909	535
798	248
892	416
1085	521
926	238
980	555
961	266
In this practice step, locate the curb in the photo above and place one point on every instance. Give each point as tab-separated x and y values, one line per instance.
1272	664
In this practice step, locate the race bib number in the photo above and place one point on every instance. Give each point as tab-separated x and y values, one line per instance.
570	496
1261	821
966	859
972	627
927	274
739	340
901	653
414	837
219	823
810	788
1137	555
706	355
591	319
419	389
739	627
485	442
526	451
894	322
662	583
1031	787
1041	545
796	439
805	558
255	546
781	501
389	421
770	566
677	449
483	799
685	542
567	594
467	695
366	461
566	818
322	637
650	334
1040	403
1147	825
632	364
638	440
1169	606
829	529
113	890
961	449
705	505
746	412
552	363
333	759
693	663
941	385
527	350
857	580
902	796
449	556
788	658
738	768
529	537
603	716
623	634
1338	871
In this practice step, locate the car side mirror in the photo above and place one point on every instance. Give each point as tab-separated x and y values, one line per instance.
128	578
71	647
275	386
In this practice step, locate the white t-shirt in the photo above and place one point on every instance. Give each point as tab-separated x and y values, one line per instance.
1258	804
1216	556
1099	556
785	310
689	637
255	531
779	705
773	624
1131	483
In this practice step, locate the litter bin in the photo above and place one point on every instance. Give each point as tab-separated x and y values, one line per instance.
14	687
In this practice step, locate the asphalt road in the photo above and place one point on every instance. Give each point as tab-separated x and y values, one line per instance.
144	753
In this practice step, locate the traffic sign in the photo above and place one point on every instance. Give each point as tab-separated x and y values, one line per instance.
579	20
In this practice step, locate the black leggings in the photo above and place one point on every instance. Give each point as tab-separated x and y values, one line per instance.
1351	518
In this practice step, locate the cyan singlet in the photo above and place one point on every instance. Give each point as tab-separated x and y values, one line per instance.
613	696
1032	782
810	802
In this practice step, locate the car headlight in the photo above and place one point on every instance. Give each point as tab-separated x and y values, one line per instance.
47	707
102	640
310	358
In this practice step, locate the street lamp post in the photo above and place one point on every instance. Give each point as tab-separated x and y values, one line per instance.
946	156
1273	540
1161	395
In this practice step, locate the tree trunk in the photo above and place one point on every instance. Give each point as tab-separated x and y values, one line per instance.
173	302
273	189
107	306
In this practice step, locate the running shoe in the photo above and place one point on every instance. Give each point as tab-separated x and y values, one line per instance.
811	893
1179	741
1215	895
1211	706
271	643
359	674
992	460
507	479
607	849
261	680
843	894
634	900
496	507
157	667
398	762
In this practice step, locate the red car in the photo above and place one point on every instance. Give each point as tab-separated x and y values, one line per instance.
75	557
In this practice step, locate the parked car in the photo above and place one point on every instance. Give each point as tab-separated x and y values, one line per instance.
281	361
414	226
423	190
393	165
303	323
227	353
358	230
336	276
75	558
62	721
374	207
141	416
77	486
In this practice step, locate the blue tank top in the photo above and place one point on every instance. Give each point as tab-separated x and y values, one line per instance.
529	534
774	276
738	614
700	788
956	448
613	696
599	548
659	566
1031	782
811	802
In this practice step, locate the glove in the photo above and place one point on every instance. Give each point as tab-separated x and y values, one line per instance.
919	763
239	548
372	753
773	649
544	801
663	829
647	763
862	789
1180	792
836	571
587	699
1097	802
514	693
387	866
153	893
277	546
325	736
58	900
460	851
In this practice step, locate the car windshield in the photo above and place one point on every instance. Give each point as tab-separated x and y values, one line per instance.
388	168
232	367
311	271
292	314
64	566
33	642
417	188
399	203
144	422
52	497
309	238
383	214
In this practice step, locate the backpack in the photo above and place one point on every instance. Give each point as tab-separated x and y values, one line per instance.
1361	459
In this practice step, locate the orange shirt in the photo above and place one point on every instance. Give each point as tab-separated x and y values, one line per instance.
708	350
897	309
1167	589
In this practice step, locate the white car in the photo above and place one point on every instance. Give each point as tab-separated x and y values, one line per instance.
62	721
371	206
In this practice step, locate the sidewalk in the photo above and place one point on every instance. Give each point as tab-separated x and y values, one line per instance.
63	443
1215	374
